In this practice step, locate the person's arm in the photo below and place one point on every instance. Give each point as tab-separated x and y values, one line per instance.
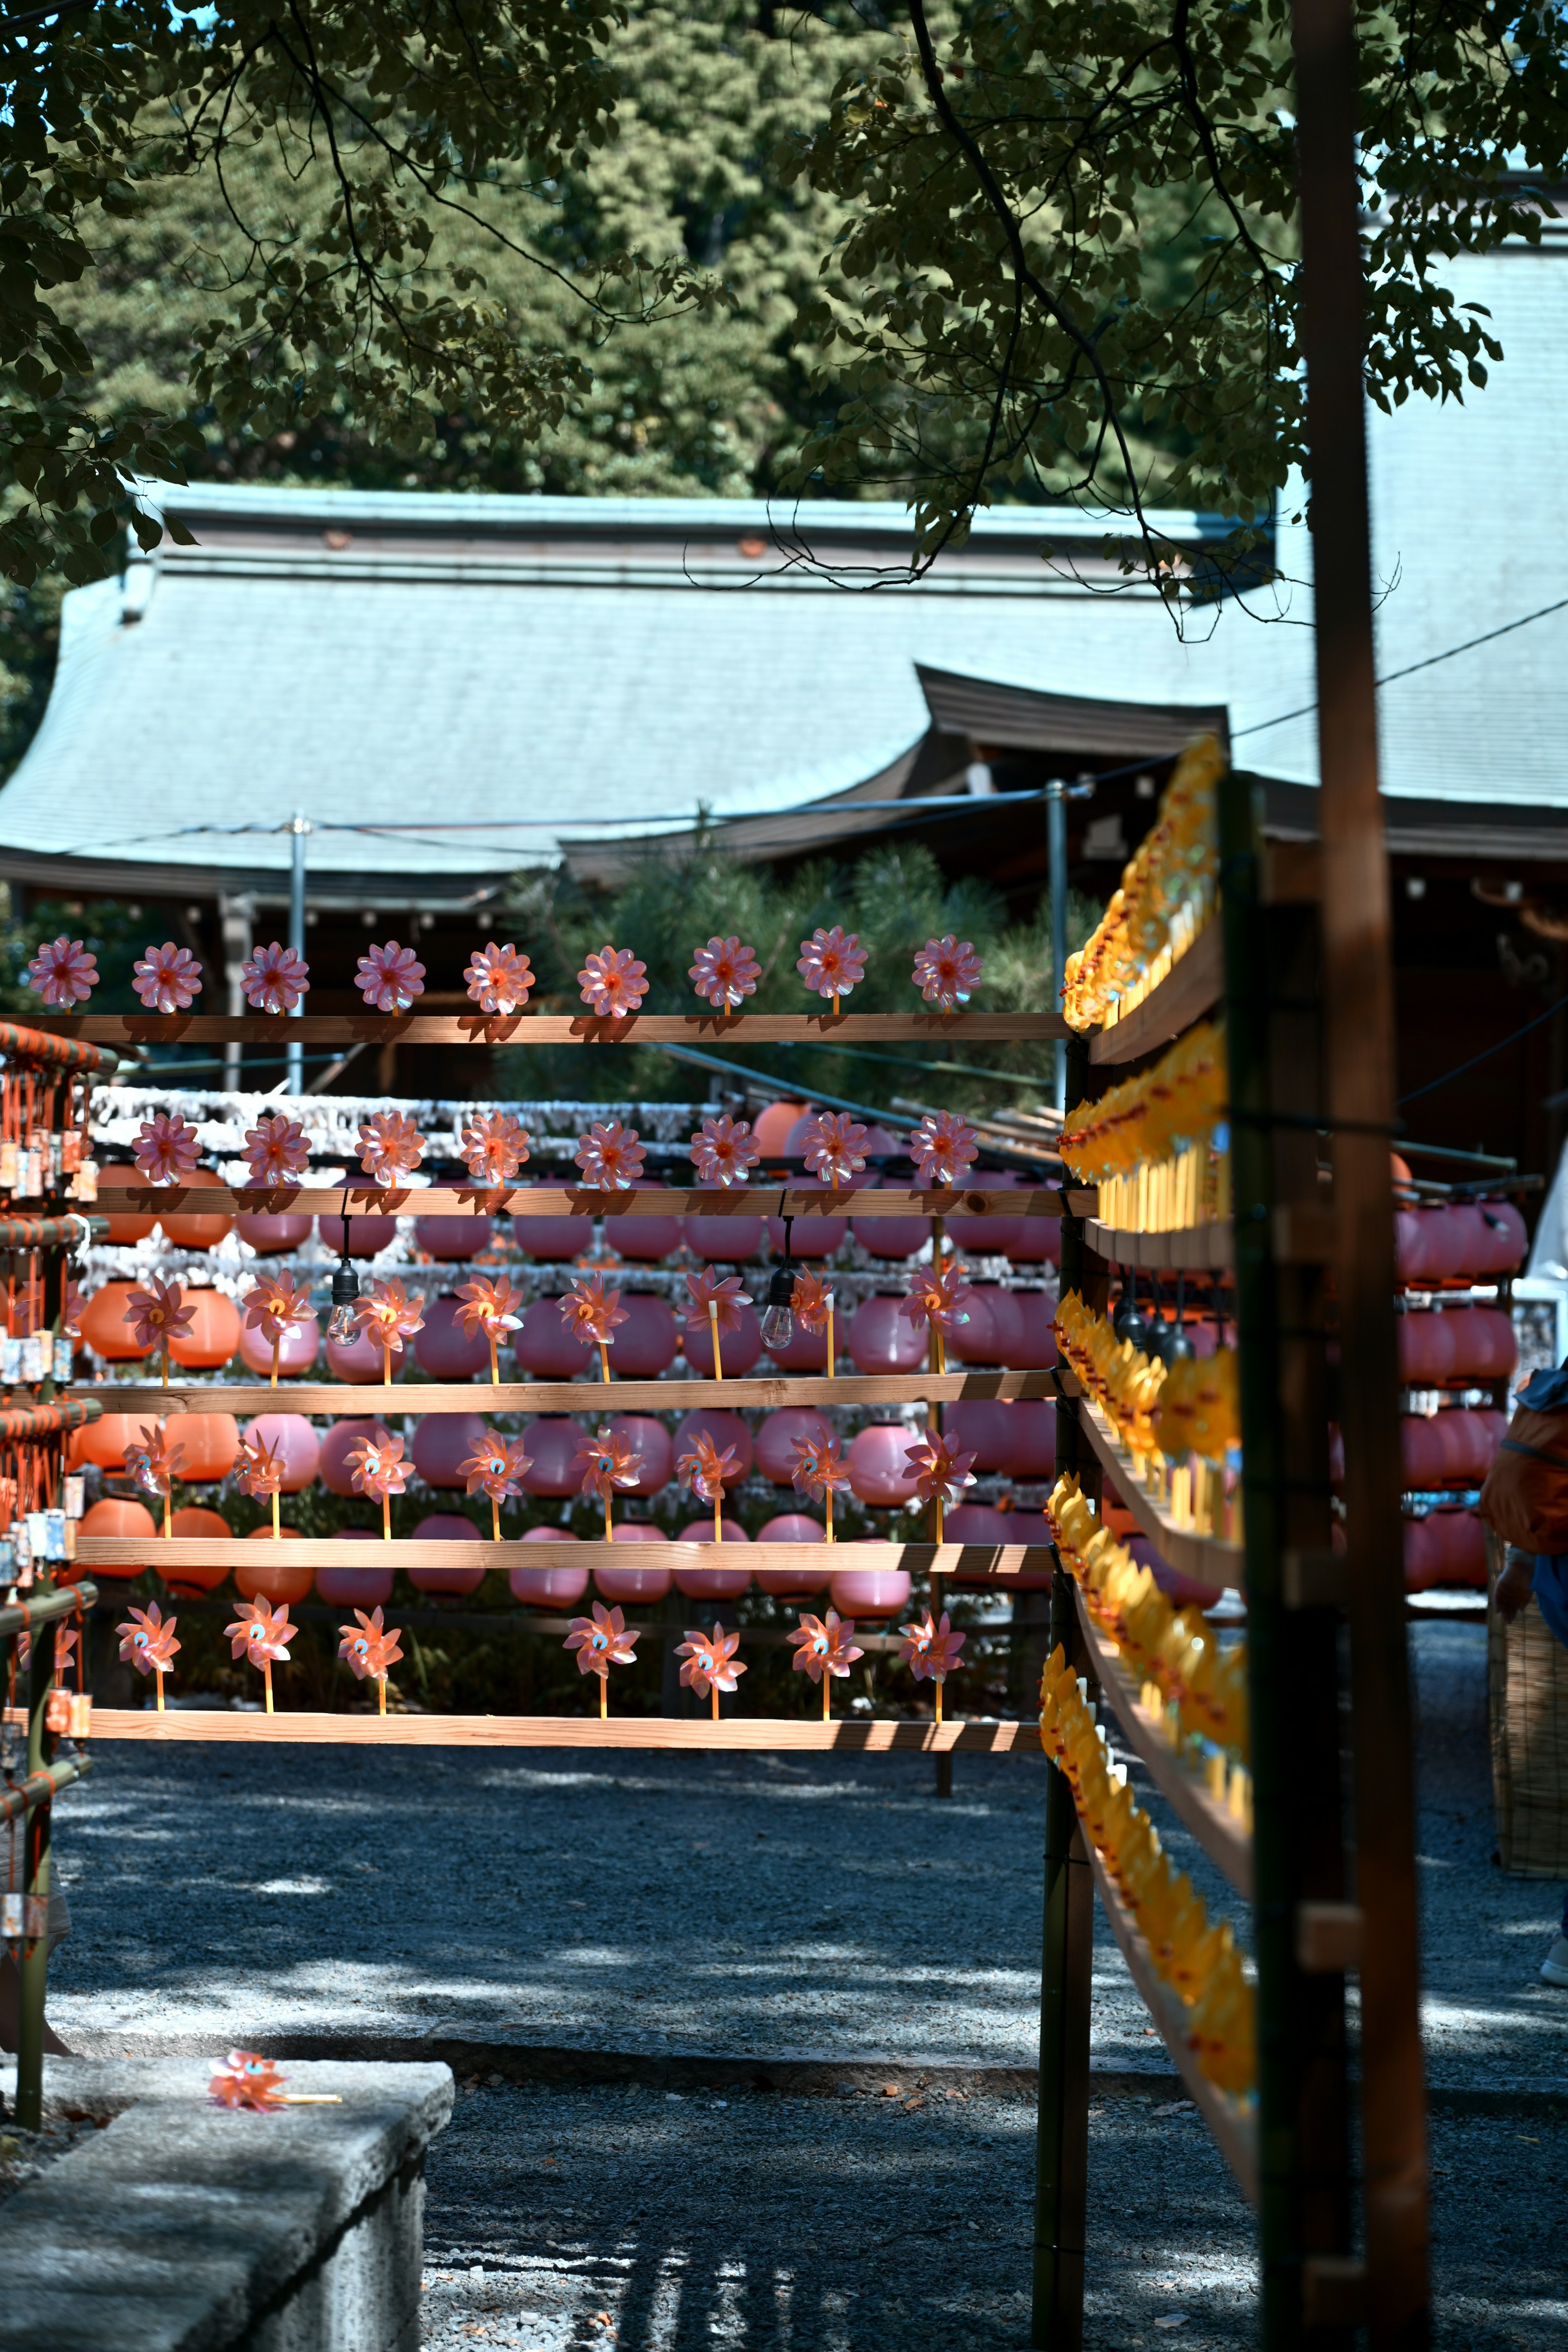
1514	1586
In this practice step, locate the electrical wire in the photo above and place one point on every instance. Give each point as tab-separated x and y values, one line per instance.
1476	1059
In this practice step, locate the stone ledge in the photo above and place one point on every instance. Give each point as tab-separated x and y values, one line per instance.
184	2228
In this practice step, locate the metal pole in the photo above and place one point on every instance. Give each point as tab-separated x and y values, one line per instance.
1056	821
32	1960
1358	1020
298	829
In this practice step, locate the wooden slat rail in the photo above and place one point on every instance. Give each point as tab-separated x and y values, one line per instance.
529	1028
998	1563
756	1200
1192	987
1199	1249
738	1732
1235	2130
586	1396
1212	1560
1224	1842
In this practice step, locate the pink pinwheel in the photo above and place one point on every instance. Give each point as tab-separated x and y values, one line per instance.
148	1644
63	973
718	1303
260	1468
276	1149
601	1642
260	1634
937	1299
833	1141
605	1462
166	979
390	978
613	982
818	1470
273	1306
248	2080
610	1157
942	1147
830	963
722	1151
495	1146
487	1307
823	1649
591	1312
725	973
387	1312
930	1652
166	1148
152	1462
704	1469
941	1474
378	1468
390	1145
275	979
813	1301
370	1648
947	971
496	1467
712	1664
499	979
157	1316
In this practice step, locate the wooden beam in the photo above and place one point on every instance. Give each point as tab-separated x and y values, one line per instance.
1200	1249
384	1029
773	1200
737	1733
1193	987
1211	1559
587	1396
130	1555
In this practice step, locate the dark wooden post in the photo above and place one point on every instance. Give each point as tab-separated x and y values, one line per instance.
1359	1014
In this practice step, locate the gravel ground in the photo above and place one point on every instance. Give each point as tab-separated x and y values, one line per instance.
775	1907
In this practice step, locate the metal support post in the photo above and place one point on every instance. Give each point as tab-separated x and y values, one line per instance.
1360	1060
1056	836
32	1969
298	831
236	918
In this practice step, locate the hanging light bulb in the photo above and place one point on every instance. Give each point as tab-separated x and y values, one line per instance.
341	1326
778	1318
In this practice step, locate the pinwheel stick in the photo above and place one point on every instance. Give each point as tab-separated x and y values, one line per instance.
276	1522
827	1678
713	1327
386	1514
381	1695
168	1511
495	1519
267	1681
604	1359
609	1538
495	1368
165	1360
158	1678
718	1530
936	1509
830	1511
830	1362
277	1343
939	1680
836	1004
605	1687
387	1358
713	1694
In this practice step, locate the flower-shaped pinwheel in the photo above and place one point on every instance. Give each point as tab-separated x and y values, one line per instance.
275	979
725	973
613	982
377	1465
606	1461
247	2079
260	1468
715	1302
813	1301
947	971
370	1650
496	1467
166	1148
274	1303
488	1307
824	1648
929	1649
833	1141
387	1312
166	979
712	1664
389	1146
610	1157
494	1146
390	978
705	1470
601	1642
831	962
817	1468
942	1147
275	1150
146	1641
937	1299
156	1315
591	1313
151	1461
940	1472
65	1639
499	979
64	973
262	1634
722	1151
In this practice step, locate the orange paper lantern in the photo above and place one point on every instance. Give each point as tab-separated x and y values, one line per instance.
117	1515
103	1328
189	1231
213	1336
195	1525
274	1579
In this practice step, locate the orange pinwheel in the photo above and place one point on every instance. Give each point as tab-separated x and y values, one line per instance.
712	1664
824	1647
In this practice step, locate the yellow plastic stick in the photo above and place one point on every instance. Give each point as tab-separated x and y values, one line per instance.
277	1343
713	1327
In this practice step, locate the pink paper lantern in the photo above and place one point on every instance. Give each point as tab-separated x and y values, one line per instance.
805	1351
553	1241
794	1583
1485	1348
982	1426
739	1349
976	1523
1501	1241
988	1236
545	1347
994	1332
724	1241
1442	1243
1423	1548
297	1350
793	1528
778	1435
713	1583
447	1527
651	1441
549	1535
358	1360
619	1583
547	1588
273	1236
292	1434
1037	1344
1033	1454
452	1240
869	1591
1426	1343
723	1430
637	1531
883	1339
877	1470
359	1587
337	1443
1041	1244
443	1348
552	1444
812	1238
442	1441
645	1240
892	1238
367	1234
648	1341
1458	1546
1409	1246
1423	1457
701	1531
